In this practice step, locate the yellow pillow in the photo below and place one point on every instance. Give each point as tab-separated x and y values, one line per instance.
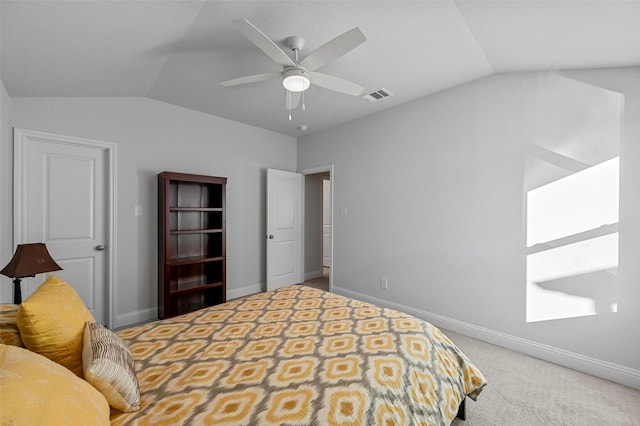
37	391
51	323
9	333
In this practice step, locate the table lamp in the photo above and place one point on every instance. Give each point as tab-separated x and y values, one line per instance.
28	260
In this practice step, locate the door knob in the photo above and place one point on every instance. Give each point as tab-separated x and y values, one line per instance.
271	236
99	247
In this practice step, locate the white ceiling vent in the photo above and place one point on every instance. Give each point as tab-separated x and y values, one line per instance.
377	95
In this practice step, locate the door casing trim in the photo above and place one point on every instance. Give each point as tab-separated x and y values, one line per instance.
20	146
311	171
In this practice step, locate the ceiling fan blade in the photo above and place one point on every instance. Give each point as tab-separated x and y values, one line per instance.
333	49
336	84
292	100
251	79
263	42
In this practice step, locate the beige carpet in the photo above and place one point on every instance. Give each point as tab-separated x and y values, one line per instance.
321	283
525	391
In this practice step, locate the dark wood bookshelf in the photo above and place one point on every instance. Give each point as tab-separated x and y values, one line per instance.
195	231
191	242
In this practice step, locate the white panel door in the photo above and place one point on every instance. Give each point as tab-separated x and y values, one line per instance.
65	204
284	228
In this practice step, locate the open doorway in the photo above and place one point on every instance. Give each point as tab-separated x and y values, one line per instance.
318	230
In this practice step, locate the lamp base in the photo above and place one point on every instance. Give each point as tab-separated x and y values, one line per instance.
17	292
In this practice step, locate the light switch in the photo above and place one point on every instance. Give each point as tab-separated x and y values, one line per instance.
343	211
137	210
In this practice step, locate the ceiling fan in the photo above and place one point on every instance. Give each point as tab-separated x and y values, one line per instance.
297	76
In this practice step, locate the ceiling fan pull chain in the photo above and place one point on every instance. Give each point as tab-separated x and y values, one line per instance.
289	103
304	108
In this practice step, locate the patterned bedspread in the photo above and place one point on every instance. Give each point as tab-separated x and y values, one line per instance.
297	356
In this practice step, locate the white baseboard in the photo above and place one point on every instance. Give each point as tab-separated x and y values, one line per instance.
604	369
136	317
151	314
244	291
312	275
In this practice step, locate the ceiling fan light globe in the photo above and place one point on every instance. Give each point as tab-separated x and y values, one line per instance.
296	80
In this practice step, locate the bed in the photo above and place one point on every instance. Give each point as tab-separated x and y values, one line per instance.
294	356
297	356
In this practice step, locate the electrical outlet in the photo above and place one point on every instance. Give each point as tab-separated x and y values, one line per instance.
384	284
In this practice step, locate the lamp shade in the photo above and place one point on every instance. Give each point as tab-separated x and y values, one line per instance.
29	260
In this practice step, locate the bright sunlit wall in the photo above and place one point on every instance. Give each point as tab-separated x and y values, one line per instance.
573	201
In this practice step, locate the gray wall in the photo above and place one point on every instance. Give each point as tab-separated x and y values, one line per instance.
151	137
434	191
435	198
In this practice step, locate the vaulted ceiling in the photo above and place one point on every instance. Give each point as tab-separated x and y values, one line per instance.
179	51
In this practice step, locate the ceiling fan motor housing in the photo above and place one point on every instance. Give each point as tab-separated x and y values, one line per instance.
295	43
296	79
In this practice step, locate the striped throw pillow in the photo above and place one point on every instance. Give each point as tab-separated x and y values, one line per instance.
108	365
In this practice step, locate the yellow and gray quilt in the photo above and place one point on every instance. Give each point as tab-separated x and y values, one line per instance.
297	356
